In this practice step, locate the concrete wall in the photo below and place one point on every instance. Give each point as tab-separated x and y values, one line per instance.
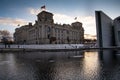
104	29
117	30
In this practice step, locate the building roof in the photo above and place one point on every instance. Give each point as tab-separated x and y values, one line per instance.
44	12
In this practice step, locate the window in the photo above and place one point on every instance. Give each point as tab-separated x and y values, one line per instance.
62	31
119	36
48	36
56	30
67	32
48	29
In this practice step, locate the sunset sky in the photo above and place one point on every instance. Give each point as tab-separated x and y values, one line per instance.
14	12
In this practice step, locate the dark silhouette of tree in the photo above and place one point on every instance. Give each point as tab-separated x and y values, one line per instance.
5	41
5	33
5	37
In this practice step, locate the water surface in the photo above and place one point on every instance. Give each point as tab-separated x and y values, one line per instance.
74	65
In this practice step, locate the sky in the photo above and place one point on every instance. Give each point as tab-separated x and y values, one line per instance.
14	12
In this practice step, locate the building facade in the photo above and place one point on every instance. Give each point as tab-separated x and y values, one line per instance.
108	30
104	29
116	24
44	31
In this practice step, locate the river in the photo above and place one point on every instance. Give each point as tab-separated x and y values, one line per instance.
69	65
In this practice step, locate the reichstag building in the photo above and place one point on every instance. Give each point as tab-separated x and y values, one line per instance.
45	31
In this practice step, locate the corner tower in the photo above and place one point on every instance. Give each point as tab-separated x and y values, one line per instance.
45	17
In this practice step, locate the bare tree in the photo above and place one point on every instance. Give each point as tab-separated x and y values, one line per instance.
4	33
5	37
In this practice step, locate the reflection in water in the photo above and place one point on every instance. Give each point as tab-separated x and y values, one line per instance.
76	65
108	58
110	65
91	65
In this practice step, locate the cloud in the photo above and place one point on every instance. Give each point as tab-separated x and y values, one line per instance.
12	22
61	18
33	11
87	21
89	36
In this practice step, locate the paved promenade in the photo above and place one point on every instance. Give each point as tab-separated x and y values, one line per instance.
49	47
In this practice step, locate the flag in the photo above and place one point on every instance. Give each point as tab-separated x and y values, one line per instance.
75	18
43	7
18	25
